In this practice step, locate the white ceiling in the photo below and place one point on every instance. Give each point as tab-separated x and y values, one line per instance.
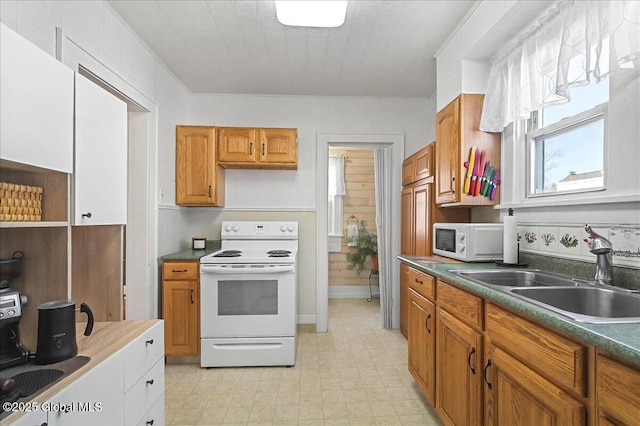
385	48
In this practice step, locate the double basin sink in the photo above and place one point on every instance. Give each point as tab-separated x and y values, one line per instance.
579	300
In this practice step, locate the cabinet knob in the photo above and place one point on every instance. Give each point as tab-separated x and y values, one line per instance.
150	423
148	342
87	215
150	382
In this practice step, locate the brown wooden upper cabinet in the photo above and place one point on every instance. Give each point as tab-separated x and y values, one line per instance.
251	148
418	166
457	130
199	178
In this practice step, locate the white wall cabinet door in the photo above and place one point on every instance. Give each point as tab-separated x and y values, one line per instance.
96	399
36	96
100	172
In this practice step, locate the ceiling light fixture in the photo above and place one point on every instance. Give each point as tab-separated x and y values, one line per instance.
328	14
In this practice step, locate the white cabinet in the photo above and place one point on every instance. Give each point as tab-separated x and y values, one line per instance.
97	398
100	174
144	378
36	96
155	415
141	397
34	418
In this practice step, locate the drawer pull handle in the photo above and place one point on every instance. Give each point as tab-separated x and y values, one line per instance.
489	385
251	148
473	370
453	181
87	215
426	323
150	382
178	270
210	193
263	150
150	422
148	342
191	296
419	281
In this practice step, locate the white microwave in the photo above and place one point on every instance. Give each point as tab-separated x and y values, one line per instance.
469	242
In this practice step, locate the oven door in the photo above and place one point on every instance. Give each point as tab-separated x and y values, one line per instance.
247	300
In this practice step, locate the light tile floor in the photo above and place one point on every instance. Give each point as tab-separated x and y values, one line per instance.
355	374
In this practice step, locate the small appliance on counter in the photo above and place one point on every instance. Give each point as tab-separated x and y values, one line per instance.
57	330
468	242
11	303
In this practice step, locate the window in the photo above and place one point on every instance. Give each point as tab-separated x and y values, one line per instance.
336	189
566	144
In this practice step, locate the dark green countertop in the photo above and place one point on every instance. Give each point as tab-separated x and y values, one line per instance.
619	339
188	255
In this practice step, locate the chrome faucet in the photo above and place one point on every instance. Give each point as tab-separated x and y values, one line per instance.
602	248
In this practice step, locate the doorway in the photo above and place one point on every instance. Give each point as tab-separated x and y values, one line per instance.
139	245
352	223
391	148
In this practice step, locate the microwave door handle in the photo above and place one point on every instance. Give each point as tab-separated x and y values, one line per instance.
214	269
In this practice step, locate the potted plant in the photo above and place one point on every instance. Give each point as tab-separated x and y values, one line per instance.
366	244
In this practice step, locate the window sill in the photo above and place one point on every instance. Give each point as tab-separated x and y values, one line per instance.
335	243
550	202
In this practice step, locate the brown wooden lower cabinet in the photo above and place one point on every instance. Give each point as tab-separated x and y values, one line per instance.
496	367
181	308
404	299
516	395
618	392
458	371
422	340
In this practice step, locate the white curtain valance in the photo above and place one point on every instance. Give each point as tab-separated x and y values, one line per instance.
336	176
574	42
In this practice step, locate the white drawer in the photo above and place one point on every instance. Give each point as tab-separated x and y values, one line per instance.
142	353
139	399
155	415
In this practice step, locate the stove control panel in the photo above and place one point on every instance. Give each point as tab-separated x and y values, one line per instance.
259	230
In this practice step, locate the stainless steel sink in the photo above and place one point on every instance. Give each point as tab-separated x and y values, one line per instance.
579	300
517	277
587	304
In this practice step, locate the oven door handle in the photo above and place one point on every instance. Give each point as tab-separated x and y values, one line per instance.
215	269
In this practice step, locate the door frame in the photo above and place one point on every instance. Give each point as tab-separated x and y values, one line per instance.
142	284
355	140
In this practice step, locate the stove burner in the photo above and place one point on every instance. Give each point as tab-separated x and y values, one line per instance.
229	253
279	252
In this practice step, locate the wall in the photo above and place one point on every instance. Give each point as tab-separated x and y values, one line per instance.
359	202
463	65
292	193
99	32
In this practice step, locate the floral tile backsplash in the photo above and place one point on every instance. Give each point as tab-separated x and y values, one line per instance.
569	241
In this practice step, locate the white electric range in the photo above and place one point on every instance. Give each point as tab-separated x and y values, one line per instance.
249	296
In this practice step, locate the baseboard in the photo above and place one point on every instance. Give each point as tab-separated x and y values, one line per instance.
306	319
352	291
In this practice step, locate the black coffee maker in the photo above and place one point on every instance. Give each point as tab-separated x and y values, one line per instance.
11	303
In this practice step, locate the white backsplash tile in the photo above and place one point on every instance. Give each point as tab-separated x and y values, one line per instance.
568	241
